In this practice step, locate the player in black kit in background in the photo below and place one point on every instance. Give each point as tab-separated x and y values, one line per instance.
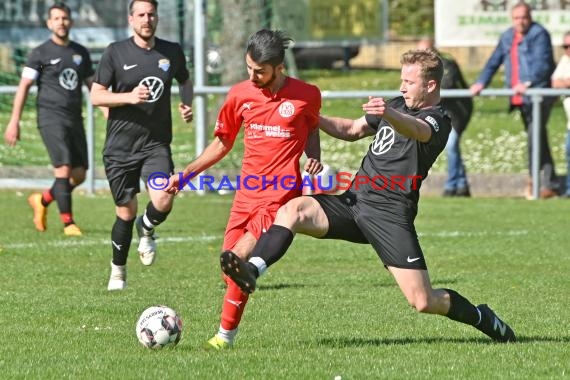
59	66
410	132
139	71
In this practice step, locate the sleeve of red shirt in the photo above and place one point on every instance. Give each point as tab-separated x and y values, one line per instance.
229	118
314	109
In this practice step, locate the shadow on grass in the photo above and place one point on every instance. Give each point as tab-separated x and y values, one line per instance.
281	286
380	284
298	286
360	342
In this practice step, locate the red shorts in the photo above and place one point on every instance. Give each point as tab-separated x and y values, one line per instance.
245	217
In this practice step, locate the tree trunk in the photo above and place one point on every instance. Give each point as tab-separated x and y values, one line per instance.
241	18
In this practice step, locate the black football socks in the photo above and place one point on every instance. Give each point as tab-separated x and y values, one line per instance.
121	237
461	310
272	245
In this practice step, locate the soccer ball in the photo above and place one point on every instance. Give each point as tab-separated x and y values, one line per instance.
159	326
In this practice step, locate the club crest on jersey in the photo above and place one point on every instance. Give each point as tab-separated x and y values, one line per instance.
286	109
164	64
68	79
383	141
77	59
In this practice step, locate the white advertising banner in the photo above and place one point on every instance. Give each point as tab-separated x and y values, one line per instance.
480	22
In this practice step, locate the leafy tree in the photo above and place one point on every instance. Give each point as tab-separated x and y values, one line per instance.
411	18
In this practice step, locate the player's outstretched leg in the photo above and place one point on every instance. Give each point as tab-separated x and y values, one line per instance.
493	326
241	272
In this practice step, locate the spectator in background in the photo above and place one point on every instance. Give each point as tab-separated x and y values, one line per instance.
525	50
59	66
561	79
459	110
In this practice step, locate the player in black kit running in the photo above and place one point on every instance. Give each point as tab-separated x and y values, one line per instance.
380	207
139	71
59	66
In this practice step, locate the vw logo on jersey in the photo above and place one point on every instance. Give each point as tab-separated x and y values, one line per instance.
155	86
383	141
77	59
68	79
286	109
164	64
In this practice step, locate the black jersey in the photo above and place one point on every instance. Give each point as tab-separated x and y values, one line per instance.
124	65
61	71
395	165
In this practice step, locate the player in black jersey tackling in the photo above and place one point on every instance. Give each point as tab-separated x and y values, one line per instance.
380	207
139	72
59	66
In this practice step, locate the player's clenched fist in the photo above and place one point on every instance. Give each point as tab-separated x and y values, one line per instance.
375	106
185	112
140	94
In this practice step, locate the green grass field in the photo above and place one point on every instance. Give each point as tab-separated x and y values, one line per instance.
327	309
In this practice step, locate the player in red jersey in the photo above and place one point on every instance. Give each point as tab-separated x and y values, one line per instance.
280	117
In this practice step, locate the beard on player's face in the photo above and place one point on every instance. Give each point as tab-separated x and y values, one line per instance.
267	83
62	33
145	31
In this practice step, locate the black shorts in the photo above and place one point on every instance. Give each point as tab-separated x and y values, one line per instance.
124	173
388	228
66	144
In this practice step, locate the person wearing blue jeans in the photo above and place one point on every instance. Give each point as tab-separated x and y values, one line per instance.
525	52
456	183
459	110
561	79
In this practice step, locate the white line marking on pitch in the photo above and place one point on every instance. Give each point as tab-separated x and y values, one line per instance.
474	233
87	242
188	239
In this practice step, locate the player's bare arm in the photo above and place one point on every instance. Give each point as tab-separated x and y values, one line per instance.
213	153
345	129
12	133
405	125
313	164
102	97
186	98
104	110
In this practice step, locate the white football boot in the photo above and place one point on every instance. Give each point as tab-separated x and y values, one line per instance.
147	243
118	279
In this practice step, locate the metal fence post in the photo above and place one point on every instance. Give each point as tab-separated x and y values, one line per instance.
201	106
90	143
535	162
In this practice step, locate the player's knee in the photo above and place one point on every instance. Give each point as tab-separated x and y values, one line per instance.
77	179
162	201
290	212
77	176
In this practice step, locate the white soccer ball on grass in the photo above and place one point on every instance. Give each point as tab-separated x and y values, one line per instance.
159	326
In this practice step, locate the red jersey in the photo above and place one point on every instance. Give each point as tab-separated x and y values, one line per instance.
276	127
